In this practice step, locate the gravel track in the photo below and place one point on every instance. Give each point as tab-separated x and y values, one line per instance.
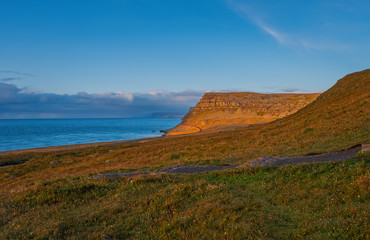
262	161
282	161
170	170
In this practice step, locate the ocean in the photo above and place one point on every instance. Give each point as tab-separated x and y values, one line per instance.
35	133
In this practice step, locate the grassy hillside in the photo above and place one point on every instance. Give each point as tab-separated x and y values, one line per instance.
40	199
316	201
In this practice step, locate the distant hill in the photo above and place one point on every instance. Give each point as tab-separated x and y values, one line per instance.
215	110
167	115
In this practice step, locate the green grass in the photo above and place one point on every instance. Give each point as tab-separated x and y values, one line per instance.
315	201
15	159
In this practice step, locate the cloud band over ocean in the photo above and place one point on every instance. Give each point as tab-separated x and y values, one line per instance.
19	103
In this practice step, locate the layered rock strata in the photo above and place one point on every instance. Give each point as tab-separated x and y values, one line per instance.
219	110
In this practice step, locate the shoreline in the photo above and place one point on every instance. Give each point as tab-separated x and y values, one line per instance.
33	143
69	147
77	146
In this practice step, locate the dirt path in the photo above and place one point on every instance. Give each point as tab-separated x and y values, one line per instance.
170	170
199	129
326	157
263	161
77	146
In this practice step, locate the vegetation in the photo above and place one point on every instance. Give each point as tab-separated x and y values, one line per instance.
315	201
50	194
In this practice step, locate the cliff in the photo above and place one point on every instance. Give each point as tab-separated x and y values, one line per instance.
219	110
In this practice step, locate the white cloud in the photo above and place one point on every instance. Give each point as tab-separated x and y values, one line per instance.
289	39
246	12
290	90
156	92
120	95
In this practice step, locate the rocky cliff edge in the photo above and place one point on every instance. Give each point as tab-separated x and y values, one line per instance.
220	110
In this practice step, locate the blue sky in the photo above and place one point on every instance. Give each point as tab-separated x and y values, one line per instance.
58	51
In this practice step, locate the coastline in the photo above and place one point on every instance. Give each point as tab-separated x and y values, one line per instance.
69	147
24	136
77	146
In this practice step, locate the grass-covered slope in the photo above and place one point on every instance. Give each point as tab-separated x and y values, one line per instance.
316	201
43	200
339	117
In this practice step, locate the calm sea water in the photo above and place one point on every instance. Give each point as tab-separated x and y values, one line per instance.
33	133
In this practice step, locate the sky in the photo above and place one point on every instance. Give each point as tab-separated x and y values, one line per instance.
129	58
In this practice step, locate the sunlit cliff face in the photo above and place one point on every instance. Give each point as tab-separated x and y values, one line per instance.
217	110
